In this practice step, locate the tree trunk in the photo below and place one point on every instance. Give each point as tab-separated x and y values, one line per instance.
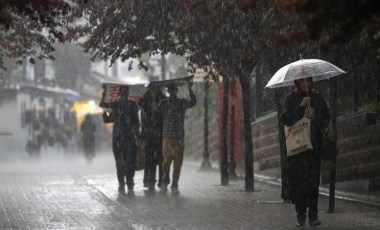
248	148
224	160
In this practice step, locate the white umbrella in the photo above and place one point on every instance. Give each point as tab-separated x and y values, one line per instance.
304	68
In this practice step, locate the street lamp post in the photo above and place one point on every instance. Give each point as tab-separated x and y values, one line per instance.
206	165
224	157
333	104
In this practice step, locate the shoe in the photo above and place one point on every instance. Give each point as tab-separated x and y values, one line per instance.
300	222
121	189
175	191
314	222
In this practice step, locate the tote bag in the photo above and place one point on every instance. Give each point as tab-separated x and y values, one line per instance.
298	136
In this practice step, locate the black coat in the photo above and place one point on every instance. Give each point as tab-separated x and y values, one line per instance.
151	126
304	168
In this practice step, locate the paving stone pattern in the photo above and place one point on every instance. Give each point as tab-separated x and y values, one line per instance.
73	200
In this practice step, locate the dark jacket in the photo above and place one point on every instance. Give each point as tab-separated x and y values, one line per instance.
151	126
88	129
125	117
294	112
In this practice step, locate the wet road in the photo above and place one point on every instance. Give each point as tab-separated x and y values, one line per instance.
69	194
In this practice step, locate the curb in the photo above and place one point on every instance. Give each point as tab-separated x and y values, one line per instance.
345	196
340	195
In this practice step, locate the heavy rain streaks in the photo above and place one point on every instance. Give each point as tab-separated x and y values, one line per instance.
173	114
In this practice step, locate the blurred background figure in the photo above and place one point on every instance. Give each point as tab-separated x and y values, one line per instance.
88	129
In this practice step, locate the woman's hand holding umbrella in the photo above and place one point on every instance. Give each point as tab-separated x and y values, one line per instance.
305	101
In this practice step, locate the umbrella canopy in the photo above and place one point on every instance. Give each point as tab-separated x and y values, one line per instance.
304	68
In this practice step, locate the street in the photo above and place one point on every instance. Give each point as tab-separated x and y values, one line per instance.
66	193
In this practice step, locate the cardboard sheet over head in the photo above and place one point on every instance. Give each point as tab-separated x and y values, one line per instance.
111	92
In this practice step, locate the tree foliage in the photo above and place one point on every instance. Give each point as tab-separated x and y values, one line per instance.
123	29
28	28
333	20
216	34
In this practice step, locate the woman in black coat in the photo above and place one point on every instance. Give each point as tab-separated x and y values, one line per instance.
304	168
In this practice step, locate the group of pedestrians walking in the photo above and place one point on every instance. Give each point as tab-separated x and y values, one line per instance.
162	134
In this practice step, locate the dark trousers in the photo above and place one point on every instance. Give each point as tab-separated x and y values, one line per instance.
304	172
153	158
124	150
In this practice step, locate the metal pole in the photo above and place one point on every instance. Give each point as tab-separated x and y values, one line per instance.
163	67
354	92
334	136
282	143
206	165
377	84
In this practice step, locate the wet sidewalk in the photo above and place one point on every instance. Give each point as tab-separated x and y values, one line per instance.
79	196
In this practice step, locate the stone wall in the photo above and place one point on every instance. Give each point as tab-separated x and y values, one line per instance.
358	149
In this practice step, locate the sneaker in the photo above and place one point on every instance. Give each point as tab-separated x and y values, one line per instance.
315	222
175	191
